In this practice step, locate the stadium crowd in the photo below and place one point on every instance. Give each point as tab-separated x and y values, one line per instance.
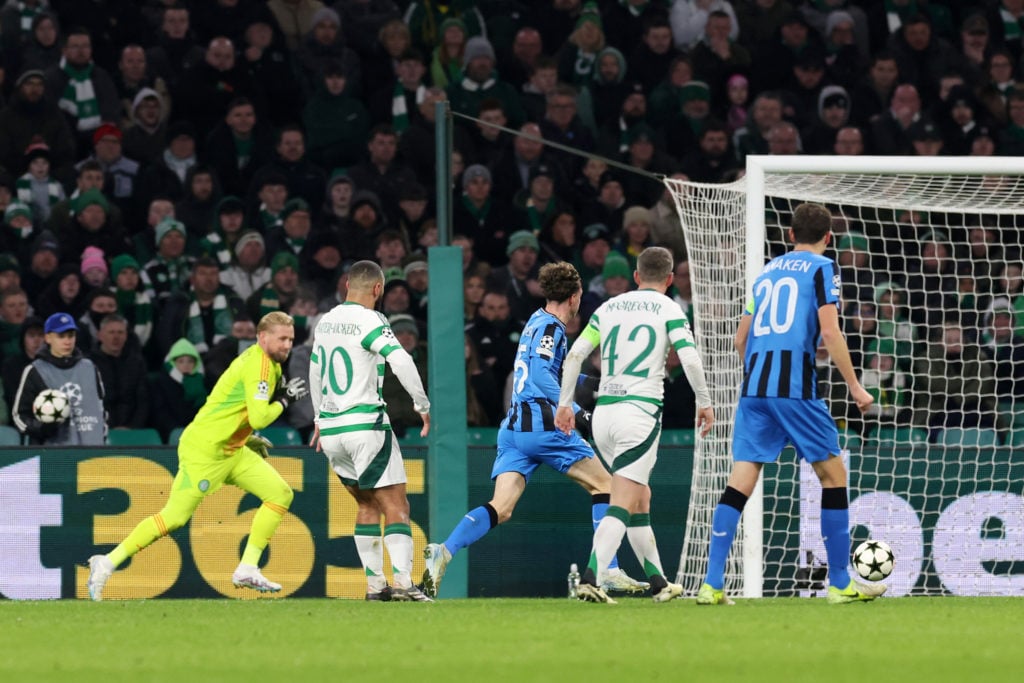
171	171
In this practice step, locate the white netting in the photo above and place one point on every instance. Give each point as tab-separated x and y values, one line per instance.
932	471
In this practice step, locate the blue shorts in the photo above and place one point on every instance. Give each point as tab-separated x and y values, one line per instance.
764	426
523	452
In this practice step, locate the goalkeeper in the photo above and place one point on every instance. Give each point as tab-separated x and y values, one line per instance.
218	448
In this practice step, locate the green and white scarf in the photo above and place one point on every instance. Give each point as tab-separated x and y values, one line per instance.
399	108
269	219
195	332
1011	25
79	97
28	15
24	185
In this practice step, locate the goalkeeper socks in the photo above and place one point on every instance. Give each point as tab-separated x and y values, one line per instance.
599	508
835	532
471	528
371	554
641	538
398	539
607	539
264	524
723	529
144	533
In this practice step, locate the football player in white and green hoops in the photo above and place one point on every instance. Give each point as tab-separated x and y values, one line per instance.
352	342
635	332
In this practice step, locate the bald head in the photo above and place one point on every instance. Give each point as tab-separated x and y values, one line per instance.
220	54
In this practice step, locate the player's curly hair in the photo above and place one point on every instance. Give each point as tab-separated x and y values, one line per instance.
811	222
559	281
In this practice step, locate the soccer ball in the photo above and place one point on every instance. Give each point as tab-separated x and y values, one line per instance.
873	560
51	406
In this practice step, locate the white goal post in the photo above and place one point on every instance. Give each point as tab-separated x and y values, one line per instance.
930	249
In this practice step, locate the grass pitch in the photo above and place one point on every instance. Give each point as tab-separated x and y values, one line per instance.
491	640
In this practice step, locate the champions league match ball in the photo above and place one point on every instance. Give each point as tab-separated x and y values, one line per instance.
873	560
51	406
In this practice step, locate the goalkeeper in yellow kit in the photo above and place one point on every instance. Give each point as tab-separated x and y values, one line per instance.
218	448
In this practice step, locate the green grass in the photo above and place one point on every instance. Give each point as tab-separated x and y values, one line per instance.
490	640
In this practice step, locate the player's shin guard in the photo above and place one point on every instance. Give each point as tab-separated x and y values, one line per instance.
835	532
599	508
398	539
264	524
371	555
607	539
641	538
723	529
473	526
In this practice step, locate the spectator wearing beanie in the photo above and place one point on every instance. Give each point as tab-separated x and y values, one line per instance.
123	172
280	293
249	271
635	235
18	230
480	81
90	226
364	225
518	279
446	59
576	58
38	188
168	271
10	272
94	268
426	17
482	216
88	176
325	43
226	227
41	263
294	231
133	303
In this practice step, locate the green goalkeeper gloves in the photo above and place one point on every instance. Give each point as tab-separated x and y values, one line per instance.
259	444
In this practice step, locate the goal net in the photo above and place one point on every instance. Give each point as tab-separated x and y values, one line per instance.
930	253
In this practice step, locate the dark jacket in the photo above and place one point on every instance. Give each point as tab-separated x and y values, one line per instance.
124	383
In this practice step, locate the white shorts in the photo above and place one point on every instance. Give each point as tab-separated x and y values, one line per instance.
626	436
369	459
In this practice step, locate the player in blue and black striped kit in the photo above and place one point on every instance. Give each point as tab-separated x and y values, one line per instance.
528	437
795	303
